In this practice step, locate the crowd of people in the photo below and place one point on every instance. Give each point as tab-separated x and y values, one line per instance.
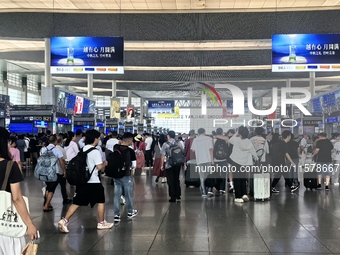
154	154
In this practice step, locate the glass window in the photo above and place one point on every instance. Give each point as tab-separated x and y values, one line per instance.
16	96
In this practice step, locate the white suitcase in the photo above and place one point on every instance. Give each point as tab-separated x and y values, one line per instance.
262	186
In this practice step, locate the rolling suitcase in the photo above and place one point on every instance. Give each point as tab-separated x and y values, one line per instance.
261	186
309	180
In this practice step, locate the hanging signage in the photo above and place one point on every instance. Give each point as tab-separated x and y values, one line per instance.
313	123
161	106
2	114
115	108
64	121
87	55
4	99
305	52
332	120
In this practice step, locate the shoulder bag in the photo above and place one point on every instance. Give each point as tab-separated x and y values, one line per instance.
11	223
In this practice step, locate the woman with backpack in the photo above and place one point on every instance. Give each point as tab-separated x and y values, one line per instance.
157	165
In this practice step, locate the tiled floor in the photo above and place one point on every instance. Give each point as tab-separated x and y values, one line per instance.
306	222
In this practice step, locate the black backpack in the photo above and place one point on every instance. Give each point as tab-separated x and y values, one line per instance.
220	149
116	164
77	172
176	155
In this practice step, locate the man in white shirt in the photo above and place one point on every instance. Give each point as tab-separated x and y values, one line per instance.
203	148
59	168
112	141
81	142
303	150
148	151
93	192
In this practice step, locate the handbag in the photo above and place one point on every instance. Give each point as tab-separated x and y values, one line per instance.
11	223
30	249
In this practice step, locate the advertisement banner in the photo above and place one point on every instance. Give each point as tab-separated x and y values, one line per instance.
87	55
305	52
130	112
161	106
115	108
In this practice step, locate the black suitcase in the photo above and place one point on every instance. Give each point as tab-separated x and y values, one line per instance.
192	177
310	180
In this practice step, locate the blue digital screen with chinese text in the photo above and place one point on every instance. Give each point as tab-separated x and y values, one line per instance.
85	54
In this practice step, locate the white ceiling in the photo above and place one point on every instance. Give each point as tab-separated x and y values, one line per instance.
164	5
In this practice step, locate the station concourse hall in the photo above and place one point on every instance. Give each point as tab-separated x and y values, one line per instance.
159	91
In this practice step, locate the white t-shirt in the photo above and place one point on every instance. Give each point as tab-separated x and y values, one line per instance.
148	143
243	151
71	150
93	159
111	143
81	143
201	146
303	143
261	147
337	150
57	153
27	144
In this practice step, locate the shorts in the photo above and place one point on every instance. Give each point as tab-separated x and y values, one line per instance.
91	193
324	168
51	186
27	154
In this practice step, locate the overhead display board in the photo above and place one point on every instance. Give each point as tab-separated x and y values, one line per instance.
87	55
305	52
161	106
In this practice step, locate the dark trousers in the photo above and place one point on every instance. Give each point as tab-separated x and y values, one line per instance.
148	158
287	179
240	187
172	175
62	181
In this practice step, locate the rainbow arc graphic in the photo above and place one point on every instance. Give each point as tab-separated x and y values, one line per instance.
211	92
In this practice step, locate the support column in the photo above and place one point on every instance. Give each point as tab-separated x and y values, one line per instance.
25	102
114	89
141	110
6	84
90	85
203	103
129	97
312	83
289	85
48	76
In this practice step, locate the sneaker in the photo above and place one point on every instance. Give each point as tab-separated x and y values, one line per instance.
122	200
62	224
44	191
117	218
178	198
231	189
134	213
143	174
294	188
245	198
204	196
104	225
239	200
327	188
275	190
222	191
157	179
336	184
318	187
210	194
164	180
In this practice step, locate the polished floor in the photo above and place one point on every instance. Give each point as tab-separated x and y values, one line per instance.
306	222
